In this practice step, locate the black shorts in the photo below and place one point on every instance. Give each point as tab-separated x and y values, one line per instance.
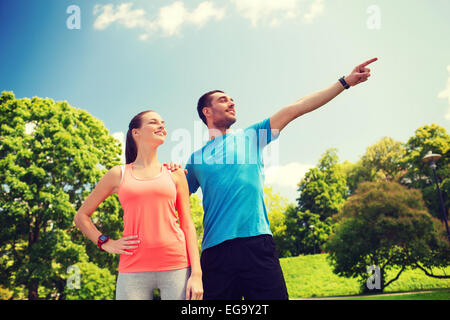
243	268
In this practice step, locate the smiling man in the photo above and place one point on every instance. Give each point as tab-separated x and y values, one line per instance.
239	259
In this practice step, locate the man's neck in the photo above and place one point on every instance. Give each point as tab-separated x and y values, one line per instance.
217	132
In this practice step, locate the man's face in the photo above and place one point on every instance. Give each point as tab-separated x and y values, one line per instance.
221	111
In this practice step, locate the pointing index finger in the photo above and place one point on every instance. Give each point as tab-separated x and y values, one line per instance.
368	62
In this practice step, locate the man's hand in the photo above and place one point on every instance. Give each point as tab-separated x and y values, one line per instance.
173	167
360	73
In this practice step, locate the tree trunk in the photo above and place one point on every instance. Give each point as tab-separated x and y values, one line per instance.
394	279
33	291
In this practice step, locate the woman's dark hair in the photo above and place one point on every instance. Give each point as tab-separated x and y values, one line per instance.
130	146
205	101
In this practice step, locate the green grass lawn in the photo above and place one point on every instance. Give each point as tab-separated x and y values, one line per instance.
312	276
435	295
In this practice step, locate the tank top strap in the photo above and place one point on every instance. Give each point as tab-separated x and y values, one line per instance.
170	173
125	172
122	170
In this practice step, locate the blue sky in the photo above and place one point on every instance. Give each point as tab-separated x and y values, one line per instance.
131	56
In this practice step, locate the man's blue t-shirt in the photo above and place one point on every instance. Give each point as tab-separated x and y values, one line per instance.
230	171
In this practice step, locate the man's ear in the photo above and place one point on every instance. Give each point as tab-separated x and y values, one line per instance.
206	111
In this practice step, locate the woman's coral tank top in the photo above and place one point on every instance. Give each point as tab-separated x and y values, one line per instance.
149	212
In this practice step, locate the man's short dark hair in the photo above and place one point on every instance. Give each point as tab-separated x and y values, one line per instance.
205	101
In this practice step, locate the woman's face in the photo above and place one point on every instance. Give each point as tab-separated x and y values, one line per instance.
152	129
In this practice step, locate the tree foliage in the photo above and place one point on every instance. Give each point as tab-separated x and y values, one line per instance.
382	161
305	232
384	158
51	156
387	225
197	217
419	175
276	206
323	190
95	284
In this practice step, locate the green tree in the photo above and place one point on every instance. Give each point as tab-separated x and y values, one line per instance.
276	206
51	156
387	225
384	158
323	190
419	175
381	161
355	173
305	232
197	217
95	283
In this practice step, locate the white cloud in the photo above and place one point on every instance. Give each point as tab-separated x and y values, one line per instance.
288	175
445	94
122	14
275	22
172	17
121	137
264	10
143	36
316	8
274	12
204	12
169	19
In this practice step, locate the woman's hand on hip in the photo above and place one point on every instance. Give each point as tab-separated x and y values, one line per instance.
120	246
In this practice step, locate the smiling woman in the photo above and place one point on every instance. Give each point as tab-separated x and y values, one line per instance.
158	248
144	122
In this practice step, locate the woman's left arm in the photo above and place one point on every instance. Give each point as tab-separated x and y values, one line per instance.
194	290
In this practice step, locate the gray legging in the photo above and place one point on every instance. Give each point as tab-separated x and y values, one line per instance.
140	285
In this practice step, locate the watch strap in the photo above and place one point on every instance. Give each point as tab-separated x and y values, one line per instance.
344	83
101	240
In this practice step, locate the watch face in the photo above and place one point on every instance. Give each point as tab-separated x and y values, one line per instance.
103	238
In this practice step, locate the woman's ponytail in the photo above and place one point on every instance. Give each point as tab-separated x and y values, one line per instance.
130	145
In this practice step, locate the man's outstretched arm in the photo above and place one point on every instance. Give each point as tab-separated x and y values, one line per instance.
317	99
